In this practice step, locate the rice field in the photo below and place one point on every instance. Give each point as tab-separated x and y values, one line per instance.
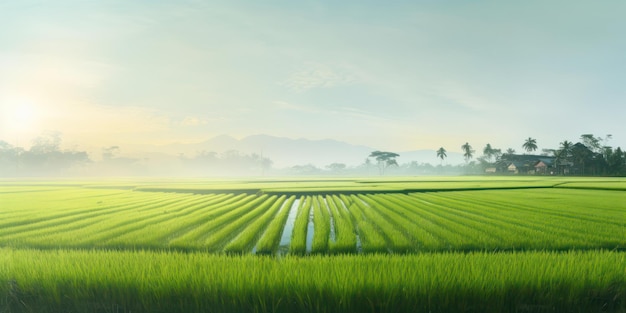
455	244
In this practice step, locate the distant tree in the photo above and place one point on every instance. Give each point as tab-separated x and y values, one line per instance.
617	162
490	153
336	167
441	153
306	169
593	143
384	160
566	147
510	151
530	145
581	154
45	156
110	152
468	152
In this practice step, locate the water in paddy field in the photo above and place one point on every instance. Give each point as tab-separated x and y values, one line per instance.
285	240
277	214
333	236
309	232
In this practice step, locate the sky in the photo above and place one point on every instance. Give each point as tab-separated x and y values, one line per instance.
394	75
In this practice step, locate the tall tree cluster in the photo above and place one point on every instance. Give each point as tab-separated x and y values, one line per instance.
591	156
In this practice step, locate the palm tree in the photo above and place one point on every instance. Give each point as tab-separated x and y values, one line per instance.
563	155
441	153
566	147
530	144
468	152
489	152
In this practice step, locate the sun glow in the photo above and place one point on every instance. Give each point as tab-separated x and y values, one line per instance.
19	115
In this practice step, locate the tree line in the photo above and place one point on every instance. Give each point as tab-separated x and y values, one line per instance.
591	156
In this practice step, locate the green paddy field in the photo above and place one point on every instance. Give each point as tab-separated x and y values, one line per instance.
445	244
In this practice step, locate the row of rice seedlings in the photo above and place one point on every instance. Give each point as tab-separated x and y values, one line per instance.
593	205
69	214
422	239
439	228
123	222
194	237
372	240
245	241
478	233
599	207
156	235
271	237
516	229
544	231
345	236
217	239
321	221
47	210
560	220
81	222
596	213
398	241
300	227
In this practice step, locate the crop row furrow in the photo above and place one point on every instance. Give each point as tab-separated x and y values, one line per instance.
422	239
300	227
271	238
45	214
345	236
217	239
321	221
155	235
201	237
537	223
440	228
105	234
77	220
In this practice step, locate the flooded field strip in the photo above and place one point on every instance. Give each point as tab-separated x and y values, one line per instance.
333	235
298	242
343	227
287	233
342	200
311	225
269	237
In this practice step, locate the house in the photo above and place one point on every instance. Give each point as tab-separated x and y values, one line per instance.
528	164
545	166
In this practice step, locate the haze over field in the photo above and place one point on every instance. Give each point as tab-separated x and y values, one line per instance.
400	76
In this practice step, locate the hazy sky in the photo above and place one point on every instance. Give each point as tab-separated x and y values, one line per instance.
395	75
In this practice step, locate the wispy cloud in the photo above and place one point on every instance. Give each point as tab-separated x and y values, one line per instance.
193	121
316	75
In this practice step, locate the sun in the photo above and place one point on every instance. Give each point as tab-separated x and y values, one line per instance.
20	114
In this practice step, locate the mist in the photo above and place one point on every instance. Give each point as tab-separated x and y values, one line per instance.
222	156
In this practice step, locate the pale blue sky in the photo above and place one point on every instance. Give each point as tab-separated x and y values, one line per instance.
395	75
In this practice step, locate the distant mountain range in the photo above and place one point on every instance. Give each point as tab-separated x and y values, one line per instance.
286	152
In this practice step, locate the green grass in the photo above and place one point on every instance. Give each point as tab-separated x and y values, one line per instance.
142	281
460	244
